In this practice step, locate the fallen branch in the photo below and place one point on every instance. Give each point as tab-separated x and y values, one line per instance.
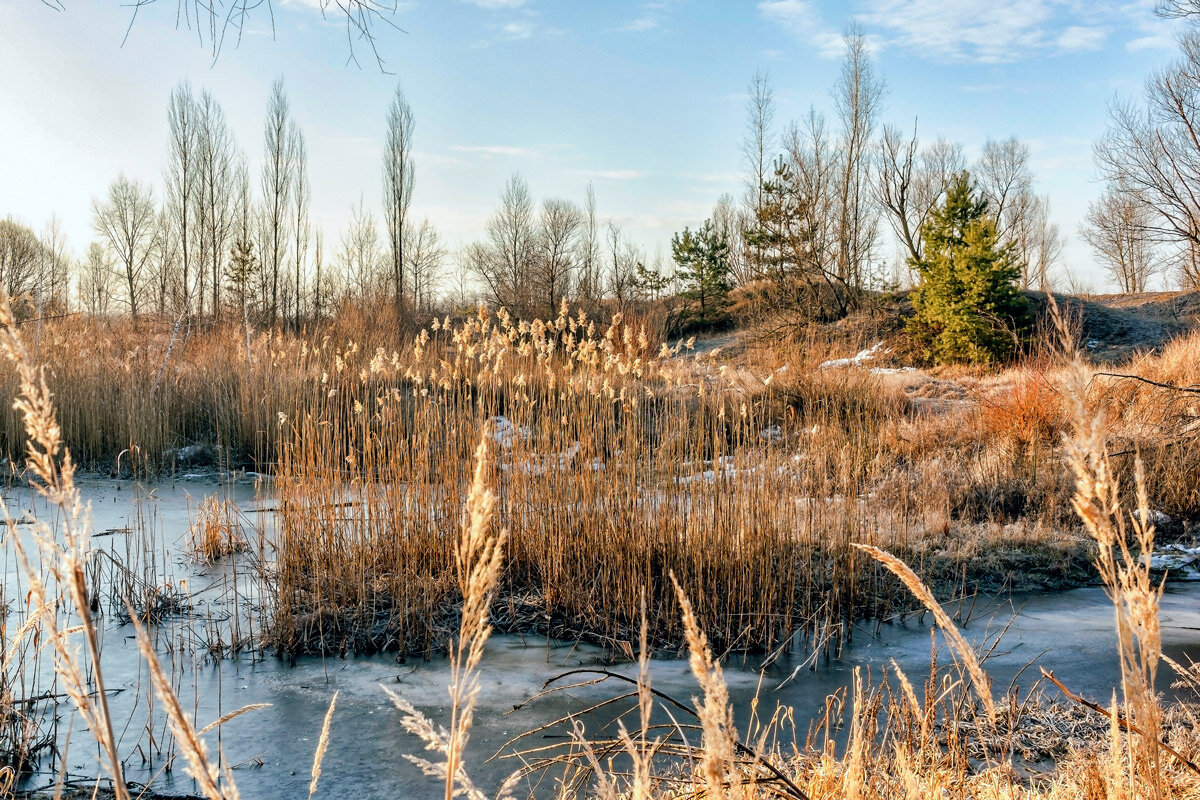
1123	723
1140	379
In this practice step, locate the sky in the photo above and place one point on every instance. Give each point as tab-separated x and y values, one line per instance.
644	100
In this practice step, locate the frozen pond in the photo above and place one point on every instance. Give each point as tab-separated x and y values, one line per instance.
272	748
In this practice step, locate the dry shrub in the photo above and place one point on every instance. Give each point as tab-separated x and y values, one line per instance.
1152	409
1030	413
216	530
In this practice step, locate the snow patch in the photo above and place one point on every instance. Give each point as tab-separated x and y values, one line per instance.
504	433
858	360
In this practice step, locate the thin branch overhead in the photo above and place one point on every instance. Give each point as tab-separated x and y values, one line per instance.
1177	9
217	23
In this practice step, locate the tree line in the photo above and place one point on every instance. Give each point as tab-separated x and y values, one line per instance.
217	241
833	206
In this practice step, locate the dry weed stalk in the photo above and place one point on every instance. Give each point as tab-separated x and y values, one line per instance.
199	766
962	649
1127	578
53	477
322	745
478	555
716	715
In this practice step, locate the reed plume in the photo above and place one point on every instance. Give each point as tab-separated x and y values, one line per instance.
478	556
716	714
980	680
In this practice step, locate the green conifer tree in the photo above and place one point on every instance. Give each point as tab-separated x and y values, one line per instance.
968	308
703	259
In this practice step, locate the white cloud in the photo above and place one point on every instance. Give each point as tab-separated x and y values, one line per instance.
964	30
829	44
986	31
798	16
426	158
611	174
801	18
1080	37
652	17
496	3
518	30
646	22
1163	40
491	150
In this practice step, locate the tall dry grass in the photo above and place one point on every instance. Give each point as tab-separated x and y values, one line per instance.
902	745
617	470
479	554
61	600
616	466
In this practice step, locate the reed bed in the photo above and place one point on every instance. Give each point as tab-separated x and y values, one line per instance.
947	737
354	486
619	460
616	466
216	530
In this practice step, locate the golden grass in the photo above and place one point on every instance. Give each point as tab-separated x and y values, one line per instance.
610	445
478	555
614	468
216	530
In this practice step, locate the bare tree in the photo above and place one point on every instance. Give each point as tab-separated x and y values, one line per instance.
1151	154
301	195
54	266
277	185
623	259
730	221
20	252
425	255
506	262
95	280
1004	179
757	152
910	182
398	177
218	22
589	250
183	175
1036	240
812	229
216	154
361	256
244	271
1178	9
462	291
1187	263
1115	227
559	226
319	278
164	263
858	97
127	221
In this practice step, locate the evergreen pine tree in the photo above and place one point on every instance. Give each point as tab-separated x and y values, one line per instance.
241	271
649	282
703	259
968	308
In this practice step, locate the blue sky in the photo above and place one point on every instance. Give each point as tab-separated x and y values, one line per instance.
643	99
